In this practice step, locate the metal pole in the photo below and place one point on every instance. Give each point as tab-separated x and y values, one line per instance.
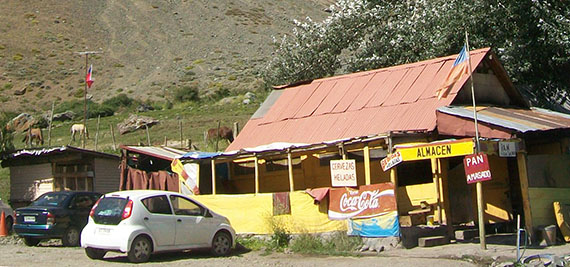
147	135
85	102
113	135
290	168
480	204
518	237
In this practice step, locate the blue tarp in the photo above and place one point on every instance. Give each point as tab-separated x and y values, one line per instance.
200	155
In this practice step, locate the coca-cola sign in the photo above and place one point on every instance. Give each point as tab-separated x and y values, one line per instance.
367	201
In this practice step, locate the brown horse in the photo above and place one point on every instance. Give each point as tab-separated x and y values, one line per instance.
34	134
222	133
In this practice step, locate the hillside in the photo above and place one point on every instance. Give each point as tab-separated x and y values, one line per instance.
148	48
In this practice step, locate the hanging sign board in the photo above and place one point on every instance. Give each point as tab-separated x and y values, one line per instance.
343	172
477	168
391	160
507	149
440	149
365	202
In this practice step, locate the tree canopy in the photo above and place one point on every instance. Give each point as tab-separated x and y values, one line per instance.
531	38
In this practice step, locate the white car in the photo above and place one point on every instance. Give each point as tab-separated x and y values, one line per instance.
9	215
142	222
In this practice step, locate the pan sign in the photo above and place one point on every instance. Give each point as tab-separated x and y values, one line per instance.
343	172
477	168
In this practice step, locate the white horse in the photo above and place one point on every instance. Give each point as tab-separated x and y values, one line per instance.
79	128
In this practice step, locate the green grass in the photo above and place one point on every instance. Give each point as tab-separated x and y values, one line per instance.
196	118
338	244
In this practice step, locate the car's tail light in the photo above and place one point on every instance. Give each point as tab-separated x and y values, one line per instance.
15	217
50	219
92	212
128	210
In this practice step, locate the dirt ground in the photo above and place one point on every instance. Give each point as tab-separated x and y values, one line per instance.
14	253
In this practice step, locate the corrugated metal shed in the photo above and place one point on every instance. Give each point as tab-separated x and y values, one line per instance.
511	120
399	98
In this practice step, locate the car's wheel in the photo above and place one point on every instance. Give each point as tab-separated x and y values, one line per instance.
71	237
9	223
95	253
222	244
140	251
30	241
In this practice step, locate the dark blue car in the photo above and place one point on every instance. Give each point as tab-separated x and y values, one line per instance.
60	215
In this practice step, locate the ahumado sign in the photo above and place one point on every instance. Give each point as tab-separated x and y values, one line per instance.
477	168
343	172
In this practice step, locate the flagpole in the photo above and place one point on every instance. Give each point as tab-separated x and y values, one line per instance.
85	103
86	53
480	208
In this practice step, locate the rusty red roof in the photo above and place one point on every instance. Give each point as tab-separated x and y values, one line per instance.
398	98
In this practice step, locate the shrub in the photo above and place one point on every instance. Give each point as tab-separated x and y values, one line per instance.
186	93
121	100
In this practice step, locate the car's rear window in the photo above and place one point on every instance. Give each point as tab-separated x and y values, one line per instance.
109	210
52	199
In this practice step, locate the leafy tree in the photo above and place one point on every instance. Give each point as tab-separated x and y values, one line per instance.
531	37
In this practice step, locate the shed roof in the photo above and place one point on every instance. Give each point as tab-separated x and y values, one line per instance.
399	98
43	152
503	122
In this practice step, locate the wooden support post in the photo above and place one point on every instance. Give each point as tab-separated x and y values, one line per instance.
165	141
290	165
147	136
434	171
256	174
213	177
97	132
113	135
443	165
394	181
180	130
189	144
51	123
236	129
480	215
523	177
367	164
217	135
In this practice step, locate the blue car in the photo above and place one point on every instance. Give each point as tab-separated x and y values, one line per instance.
55	215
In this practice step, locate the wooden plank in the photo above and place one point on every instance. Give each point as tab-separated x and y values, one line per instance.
367	164
523	176
443	165
542	199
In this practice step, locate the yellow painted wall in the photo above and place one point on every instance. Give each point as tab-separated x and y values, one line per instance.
541	200
498	207
257	218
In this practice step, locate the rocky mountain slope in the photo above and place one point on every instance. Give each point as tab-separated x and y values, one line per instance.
147	47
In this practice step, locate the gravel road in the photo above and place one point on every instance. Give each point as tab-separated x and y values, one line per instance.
14	253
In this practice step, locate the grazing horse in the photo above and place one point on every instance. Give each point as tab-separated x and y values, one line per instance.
221	133
34	134
79	128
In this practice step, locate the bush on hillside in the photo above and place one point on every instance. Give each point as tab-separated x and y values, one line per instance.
186	93
121	100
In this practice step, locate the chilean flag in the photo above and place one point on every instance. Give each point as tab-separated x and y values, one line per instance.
459	68
88	78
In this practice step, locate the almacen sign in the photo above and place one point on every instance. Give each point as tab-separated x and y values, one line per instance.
439	149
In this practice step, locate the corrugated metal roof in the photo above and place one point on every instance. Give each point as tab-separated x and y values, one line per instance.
166	153
521	120
40	152
399	98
